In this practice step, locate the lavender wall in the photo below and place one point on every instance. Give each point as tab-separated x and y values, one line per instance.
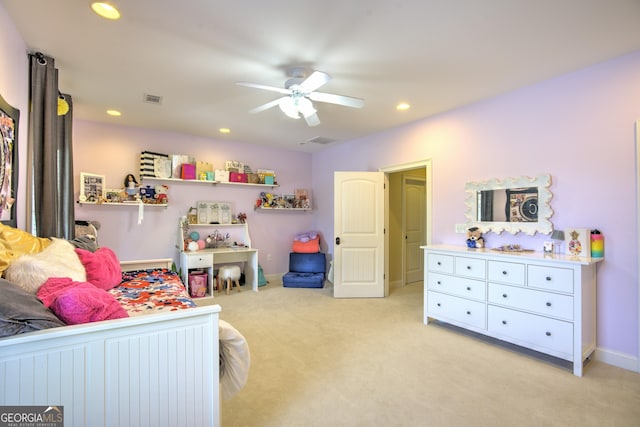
114	151
578	127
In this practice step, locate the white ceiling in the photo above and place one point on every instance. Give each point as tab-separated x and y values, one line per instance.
434	54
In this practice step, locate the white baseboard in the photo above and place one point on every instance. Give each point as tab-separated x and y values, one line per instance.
620	360
395	283
274	279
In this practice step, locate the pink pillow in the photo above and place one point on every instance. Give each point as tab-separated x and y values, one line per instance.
102	267
79	302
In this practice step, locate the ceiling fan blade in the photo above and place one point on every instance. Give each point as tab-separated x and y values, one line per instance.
314	81
266	106
312	120
265	87
347	101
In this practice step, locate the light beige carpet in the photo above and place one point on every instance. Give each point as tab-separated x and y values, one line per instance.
320	361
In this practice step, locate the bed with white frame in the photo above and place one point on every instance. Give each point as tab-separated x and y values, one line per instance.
152	370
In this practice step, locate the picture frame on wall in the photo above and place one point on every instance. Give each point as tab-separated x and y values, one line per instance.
9	124
92	187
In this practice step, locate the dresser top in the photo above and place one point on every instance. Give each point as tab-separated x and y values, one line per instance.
524	255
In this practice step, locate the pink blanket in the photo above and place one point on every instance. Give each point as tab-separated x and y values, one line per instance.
79	302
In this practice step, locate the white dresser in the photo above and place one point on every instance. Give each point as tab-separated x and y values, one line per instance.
543	302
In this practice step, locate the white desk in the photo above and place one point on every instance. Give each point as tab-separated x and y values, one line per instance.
208	258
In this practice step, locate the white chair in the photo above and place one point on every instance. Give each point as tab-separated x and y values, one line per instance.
229	274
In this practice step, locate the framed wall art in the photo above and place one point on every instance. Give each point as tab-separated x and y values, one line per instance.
9	120
91	187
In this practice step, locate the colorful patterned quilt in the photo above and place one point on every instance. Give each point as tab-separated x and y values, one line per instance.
151	291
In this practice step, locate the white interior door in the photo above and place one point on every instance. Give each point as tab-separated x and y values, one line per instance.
414	228
359	233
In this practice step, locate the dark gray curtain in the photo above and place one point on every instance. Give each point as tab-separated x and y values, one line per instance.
486	205
50	208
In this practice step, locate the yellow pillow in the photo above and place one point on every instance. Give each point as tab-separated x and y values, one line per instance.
15	243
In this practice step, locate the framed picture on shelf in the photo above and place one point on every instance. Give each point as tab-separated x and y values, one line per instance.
289	201
91	187
8	162
113	195
302	199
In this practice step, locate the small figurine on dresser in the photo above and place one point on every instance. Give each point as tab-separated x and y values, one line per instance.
474	238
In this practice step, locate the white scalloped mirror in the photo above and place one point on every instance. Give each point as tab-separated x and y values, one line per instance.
520	204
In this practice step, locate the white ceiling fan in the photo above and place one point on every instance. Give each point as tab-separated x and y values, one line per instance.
300	91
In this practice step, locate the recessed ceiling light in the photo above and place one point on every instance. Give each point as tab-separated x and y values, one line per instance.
114	113
224	130
403	106
105	10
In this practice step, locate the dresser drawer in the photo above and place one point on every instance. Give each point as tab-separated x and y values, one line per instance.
471	267
462	310
545	303
440	263
506	272
468	288
551	278
539	333
199	260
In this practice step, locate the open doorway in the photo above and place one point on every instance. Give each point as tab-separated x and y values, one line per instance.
409	221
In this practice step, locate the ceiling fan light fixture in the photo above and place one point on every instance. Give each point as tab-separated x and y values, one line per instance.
289	106
306	107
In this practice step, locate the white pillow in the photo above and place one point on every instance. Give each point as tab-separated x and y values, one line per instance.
59	259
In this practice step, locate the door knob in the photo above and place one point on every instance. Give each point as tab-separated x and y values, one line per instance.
337	240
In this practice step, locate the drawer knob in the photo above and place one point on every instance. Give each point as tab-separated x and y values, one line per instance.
468	312
468	288
548	278
504	322
504	273
548	304
439	282
548	334
439	305
504	295
439	263
468	267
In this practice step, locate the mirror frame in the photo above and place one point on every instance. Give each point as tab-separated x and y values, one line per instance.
543	225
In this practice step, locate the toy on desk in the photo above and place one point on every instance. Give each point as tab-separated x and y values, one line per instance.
216	239
474	238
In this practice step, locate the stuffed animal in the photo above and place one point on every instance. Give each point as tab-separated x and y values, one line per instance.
474	238
161	194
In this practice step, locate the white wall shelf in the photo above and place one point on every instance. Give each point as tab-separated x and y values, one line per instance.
199	181
218	225
155	205
282	209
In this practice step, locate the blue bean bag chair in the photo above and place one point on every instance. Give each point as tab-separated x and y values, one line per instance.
305	270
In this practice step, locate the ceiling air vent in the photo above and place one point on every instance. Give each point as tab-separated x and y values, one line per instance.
152	99
321	140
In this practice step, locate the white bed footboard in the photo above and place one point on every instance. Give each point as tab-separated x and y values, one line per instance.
153	370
